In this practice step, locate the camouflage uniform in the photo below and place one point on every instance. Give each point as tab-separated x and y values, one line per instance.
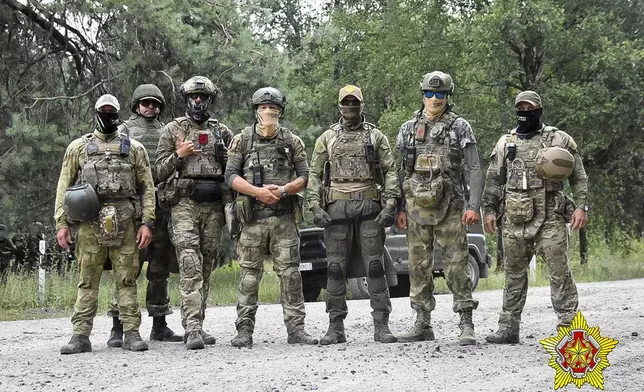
194	188
7	250
270	229
356	183
534	222
95	159
433	186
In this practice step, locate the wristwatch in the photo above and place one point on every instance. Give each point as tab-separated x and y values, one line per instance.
177	157
149	224
283	191
584	207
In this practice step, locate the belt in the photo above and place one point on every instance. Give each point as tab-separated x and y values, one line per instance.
356	195
350	221
269	212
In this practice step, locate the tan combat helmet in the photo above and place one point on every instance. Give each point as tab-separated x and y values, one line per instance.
554	163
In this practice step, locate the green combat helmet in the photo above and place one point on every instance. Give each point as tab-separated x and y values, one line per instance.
81	203
198	85
554	163
269	95
437	81
146	91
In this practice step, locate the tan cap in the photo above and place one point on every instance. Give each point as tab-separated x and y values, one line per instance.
350	90
107	99
528	96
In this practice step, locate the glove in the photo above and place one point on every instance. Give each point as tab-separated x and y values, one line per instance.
386	217
321	218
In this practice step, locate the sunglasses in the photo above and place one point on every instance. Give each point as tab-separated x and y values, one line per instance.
150	102
438	94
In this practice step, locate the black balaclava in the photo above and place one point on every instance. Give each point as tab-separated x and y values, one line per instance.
107	119
529	122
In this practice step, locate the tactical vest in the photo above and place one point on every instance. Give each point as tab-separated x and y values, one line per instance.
208	163
526	192
348	157
436	173
107	167
146	132
273	158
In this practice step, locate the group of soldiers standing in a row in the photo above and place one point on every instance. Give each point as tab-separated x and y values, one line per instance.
203	177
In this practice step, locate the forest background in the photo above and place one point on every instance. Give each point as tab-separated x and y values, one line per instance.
585	58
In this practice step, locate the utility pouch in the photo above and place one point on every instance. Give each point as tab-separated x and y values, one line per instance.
185	186
370	153
410	158
426	193
427	163
206	191
519	207
244	209
258	175
124	148
112	223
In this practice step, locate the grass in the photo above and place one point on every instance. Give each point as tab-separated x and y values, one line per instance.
18	296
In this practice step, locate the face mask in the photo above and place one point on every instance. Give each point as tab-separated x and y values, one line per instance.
434	107
529	121
198	110
351	114
107	122
267	121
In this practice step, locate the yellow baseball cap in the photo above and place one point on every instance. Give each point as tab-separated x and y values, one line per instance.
350	90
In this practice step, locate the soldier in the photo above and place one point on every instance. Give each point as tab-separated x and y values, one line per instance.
144	125
267	166
107	168
7	250
191	160
353	168
532	161
438	153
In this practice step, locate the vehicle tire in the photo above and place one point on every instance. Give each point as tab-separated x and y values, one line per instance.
311	293
358	288
474	271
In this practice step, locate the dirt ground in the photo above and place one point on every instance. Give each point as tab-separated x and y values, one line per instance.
30	359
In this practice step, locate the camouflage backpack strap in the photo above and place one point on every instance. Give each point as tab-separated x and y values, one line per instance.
547	135
286	136
247	139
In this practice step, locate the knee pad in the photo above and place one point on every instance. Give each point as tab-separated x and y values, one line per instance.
376	270
335	272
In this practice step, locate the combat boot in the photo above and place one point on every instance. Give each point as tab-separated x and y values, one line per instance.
77	344
161	333
244	338
133	342
335	333
116	335
466	325
207	338
300	336
382	333
503	336
421	331
193	340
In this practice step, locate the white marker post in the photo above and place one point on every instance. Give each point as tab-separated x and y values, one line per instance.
42	245
533	269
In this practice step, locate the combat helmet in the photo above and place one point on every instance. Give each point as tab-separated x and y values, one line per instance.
554	163
198	85
81	203
146	91
269	95
437	81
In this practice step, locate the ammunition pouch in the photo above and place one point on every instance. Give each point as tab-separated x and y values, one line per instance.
232	222
168	193
519	207
243	209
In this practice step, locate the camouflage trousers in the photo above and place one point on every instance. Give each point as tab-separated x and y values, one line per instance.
450	237
162	260
276	236
340	240
551	242
125	262
195	229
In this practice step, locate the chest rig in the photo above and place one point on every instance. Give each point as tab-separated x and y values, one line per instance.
433	163
146	132
352	155
527	194
107	167
209	162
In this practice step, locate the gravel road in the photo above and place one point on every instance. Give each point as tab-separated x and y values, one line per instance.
30	359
